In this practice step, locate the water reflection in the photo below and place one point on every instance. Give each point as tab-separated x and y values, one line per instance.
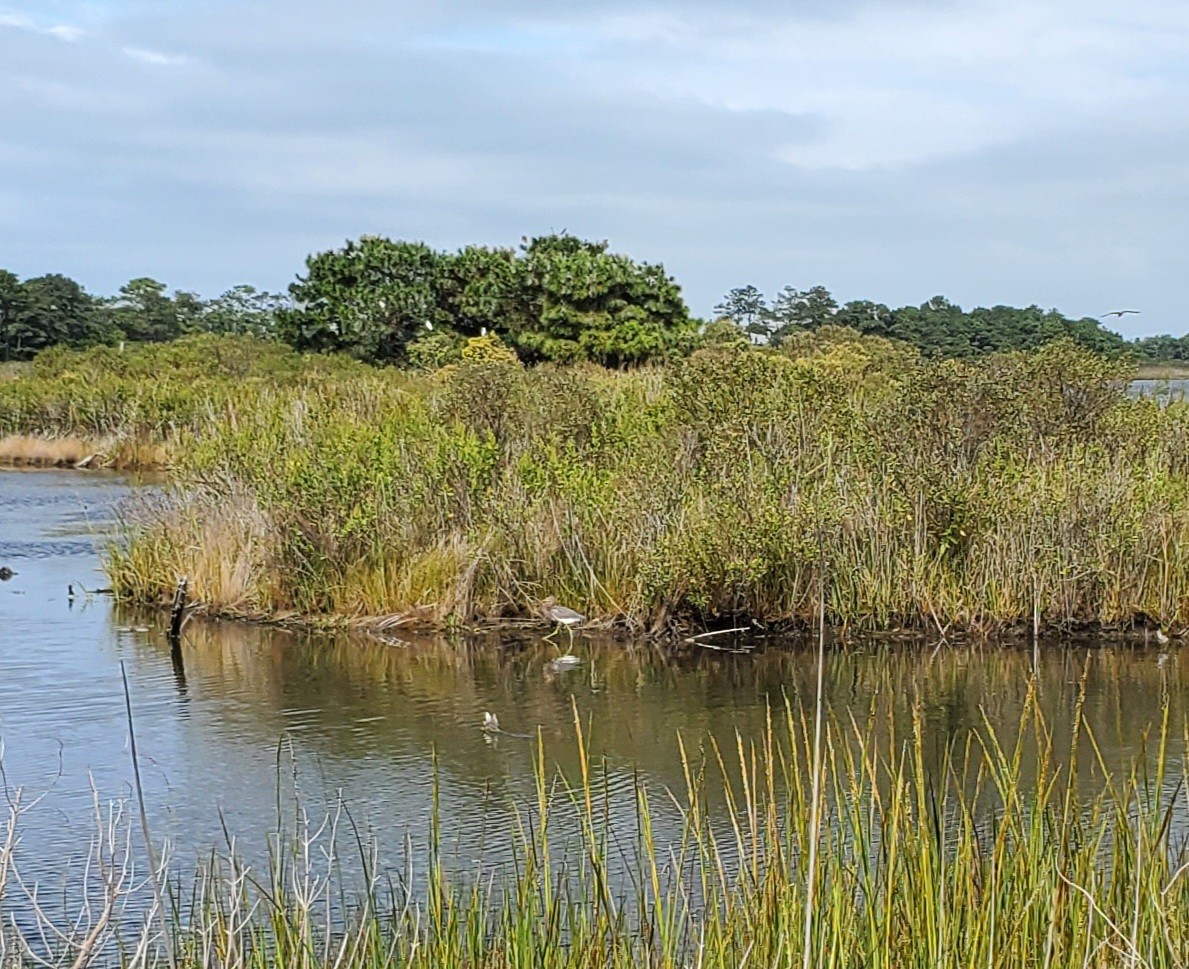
258	711
1162	389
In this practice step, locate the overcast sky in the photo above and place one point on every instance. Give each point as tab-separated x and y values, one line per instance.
1005	151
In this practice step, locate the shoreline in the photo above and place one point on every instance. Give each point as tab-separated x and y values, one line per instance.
1140	630
73	453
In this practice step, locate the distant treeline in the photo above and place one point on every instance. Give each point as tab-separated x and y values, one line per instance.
937	327
54	310
554	297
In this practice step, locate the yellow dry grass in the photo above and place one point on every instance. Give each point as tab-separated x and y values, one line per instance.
24	449
27	450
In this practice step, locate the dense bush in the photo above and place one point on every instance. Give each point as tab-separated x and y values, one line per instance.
1019	487
559	298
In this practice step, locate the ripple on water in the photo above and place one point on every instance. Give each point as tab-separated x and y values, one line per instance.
256	711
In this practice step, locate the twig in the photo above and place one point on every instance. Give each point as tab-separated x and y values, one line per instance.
716	632
815	808
144	825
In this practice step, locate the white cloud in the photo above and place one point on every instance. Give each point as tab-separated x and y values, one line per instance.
155	58
64	32
902	84
992	150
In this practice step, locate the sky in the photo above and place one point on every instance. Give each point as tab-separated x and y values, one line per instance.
1015	151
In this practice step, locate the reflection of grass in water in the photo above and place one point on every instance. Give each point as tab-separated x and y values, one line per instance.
432	693
907	872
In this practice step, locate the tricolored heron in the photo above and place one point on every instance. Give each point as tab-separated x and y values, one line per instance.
561	616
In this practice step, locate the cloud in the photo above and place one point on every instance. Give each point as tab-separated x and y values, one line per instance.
154	58
64	32
995	152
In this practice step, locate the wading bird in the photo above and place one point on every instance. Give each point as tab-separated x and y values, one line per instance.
562	616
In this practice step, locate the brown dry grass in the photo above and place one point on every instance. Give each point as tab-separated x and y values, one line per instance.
27	450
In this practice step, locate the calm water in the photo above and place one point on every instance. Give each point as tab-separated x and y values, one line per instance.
1175	389
257	711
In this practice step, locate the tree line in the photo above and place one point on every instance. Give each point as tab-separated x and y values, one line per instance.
936	327
52	310
553	298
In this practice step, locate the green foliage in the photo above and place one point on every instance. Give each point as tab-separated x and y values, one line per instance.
852	851
43	312
435	349
1163	348
144	312
936	328
581	302
745	307
983	492
243	310
560	298
370	299
157	390
54	310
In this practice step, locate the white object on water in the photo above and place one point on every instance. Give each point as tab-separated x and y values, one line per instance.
564	663
491	723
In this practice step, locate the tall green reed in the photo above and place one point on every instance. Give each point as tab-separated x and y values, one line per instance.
970	861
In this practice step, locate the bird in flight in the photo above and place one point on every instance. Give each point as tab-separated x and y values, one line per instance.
1119	313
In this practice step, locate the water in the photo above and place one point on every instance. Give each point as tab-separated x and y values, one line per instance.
257	711
1176	388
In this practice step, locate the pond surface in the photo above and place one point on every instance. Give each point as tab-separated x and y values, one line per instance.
1165	389
258	711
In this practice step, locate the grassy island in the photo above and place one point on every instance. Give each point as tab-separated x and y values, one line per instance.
1018	489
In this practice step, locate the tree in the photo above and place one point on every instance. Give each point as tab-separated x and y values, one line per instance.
558	298
370	299
243	310
938	327
579	301
872	319
56	310
144	312
745	307
481	289
12	314
1163	347
795	309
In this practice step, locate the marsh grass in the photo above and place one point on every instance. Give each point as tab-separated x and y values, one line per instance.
1019	491
969	863
1022	491
115	452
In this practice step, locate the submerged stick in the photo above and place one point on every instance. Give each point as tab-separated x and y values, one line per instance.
717	632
